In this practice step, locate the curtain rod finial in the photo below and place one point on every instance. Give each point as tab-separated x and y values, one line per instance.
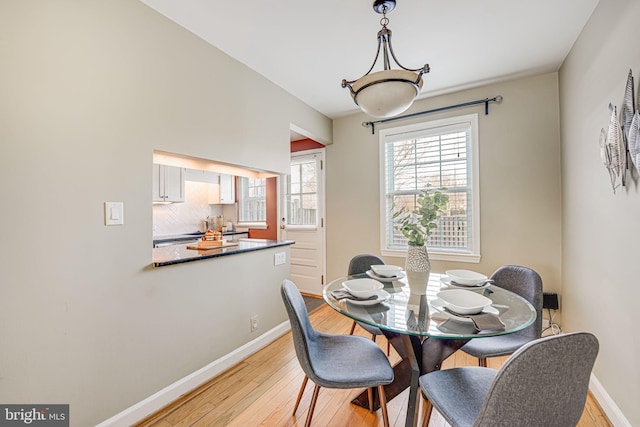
371	125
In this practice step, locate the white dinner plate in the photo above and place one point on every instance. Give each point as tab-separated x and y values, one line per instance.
381	295
398	276
446	280
439	305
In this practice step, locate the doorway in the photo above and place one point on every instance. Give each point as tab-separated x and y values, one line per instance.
302	219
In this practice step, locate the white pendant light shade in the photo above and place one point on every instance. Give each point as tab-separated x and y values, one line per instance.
386	93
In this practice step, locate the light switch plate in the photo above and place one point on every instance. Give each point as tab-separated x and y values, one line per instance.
113	213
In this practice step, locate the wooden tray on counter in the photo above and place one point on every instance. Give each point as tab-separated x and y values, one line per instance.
211	244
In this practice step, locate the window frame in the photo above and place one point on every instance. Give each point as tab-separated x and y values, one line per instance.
240	198
427	127
297	159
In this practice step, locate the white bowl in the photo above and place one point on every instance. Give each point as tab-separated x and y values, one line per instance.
466	277
362	288
384	270
463	302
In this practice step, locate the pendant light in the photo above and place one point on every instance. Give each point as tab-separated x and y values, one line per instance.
388	92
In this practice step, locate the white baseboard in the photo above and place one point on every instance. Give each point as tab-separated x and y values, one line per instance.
174	391
607	404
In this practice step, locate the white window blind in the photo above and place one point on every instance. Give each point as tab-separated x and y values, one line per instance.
438	155
252	205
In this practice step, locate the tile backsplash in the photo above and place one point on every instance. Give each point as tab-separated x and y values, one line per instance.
187	217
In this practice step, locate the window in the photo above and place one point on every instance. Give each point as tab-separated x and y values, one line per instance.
302	192
252	205
434	155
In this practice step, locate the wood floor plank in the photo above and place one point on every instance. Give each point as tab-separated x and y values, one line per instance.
188	417
269	413
276	404
261	391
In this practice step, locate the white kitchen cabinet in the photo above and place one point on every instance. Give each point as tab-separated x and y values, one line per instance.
227	189
224	192
198	175
168	183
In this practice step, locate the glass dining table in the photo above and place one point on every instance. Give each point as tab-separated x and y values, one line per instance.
420	330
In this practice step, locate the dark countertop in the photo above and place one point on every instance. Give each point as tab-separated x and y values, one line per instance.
178	254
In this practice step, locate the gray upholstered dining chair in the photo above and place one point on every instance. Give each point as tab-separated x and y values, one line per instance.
526	283
334	361
544	383
360	264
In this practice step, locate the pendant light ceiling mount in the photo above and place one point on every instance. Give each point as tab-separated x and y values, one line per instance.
384	6
388	92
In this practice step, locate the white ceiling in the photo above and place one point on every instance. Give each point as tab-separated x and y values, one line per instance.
307	47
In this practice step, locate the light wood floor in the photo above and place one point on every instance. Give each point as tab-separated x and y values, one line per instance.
261	391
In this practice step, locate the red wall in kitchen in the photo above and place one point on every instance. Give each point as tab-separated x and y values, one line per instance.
304	144
271	190
272	195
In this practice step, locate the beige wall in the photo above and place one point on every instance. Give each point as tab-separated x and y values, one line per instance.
89	90
600	234
520	193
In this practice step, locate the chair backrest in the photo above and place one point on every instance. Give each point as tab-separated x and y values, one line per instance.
526	283
363	262
301	329
544	383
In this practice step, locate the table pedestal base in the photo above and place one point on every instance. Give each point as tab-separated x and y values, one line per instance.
432	353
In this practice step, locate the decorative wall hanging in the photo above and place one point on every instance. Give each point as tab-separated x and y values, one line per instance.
621	137
626	115
634	141
605	154
616	149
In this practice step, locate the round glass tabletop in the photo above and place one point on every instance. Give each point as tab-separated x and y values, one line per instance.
398	310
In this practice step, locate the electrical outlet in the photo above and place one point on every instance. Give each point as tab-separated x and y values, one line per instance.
280	258
253	321
550	300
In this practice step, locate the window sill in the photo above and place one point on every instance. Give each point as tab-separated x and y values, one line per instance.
436	255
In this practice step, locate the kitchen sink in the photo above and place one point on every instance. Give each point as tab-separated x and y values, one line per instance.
174	242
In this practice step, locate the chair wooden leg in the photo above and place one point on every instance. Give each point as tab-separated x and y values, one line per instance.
388	348
353	328
482	361
314	398
383	405
427	408
373	337
304	384
370	396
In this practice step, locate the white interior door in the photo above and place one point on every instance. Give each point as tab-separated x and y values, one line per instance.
302	219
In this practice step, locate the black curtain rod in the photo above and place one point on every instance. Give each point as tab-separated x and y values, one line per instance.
485	101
